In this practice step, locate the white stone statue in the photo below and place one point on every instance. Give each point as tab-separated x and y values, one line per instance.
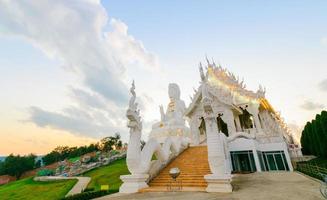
139	160
172	121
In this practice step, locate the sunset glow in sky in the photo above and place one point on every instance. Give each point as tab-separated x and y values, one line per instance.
66	66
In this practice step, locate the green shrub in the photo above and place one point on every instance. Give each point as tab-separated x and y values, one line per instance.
89	195
45	172
89	189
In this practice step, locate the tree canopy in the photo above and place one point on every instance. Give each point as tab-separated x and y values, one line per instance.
314	136
64	152
17	165
111	142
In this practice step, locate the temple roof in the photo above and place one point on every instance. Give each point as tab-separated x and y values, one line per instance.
226	86
231	91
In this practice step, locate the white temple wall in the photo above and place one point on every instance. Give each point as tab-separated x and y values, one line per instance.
195	121
243	144
195	133
263	123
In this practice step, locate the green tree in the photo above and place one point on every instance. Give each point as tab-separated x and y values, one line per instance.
314	136
323	124
17	165
2	171
108	143
304	142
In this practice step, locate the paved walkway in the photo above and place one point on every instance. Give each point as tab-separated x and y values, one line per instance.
257	186
78	187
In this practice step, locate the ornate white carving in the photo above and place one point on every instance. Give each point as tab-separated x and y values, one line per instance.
139	161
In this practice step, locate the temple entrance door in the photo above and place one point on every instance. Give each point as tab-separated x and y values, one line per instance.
202	130
275	160
243	161
222	126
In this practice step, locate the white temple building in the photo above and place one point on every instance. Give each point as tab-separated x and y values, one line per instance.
237	110
236	130
240	110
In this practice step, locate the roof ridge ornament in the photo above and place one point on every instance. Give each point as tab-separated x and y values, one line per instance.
208	60
203	77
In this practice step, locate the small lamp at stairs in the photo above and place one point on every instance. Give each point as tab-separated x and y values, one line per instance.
174	173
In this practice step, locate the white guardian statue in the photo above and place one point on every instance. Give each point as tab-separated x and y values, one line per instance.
172	121
139	161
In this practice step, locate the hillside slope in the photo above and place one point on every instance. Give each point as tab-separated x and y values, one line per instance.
108	175
31	190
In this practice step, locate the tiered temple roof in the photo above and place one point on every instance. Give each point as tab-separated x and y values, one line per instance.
222	79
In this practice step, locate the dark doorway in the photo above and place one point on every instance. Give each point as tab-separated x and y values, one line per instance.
202	127
222	126
243	162
246	119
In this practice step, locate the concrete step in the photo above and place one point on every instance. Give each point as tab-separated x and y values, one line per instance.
193	164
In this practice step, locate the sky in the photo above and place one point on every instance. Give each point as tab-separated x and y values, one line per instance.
66	66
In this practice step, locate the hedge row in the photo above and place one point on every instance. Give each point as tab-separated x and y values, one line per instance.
89	195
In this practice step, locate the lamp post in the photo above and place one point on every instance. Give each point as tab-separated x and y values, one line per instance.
174	173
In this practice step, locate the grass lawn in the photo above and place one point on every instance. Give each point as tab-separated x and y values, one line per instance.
108	175
34	190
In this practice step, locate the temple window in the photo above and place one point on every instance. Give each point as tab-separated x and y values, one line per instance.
246	119
222	126
202	127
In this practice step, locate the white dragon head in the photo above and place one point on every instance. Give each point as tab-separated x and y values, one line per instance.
132	113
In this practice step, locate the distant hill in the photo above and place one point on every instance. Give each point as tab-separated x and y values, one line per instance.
2	158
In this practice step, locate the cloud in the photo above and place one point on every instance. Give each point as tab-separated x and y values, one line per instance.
127	48
310	105
73	32
84	119
323	85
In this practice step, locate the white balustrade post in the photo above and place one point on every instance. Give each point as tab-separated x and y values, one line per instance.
218	180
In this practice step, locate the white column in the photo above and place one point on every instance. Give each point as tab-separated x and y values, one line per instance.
238	124
288	158
254	111
219	180
256	160
133	183
195	131
228	118
215	150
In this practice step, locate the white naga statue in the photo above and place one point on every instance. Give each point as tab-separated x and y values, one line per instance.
172	122
139	161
